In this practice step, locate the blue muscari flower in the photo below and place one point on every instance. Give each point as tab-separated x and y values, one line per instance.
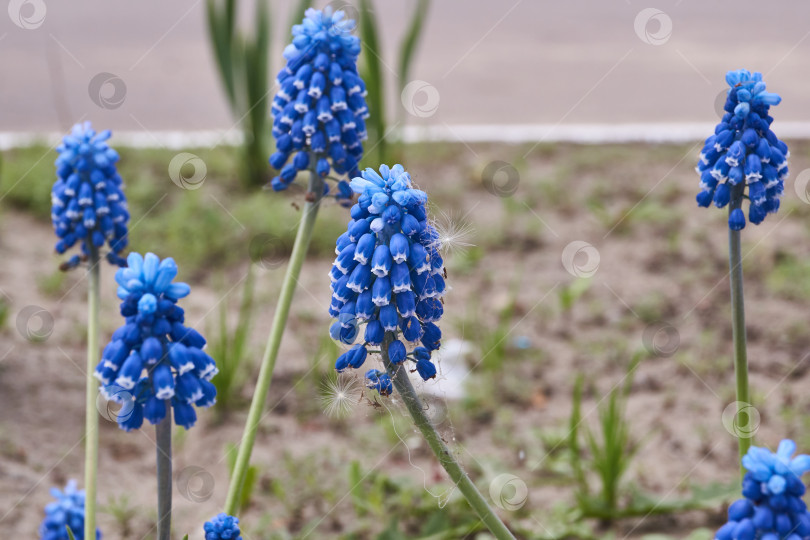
744	152
153	357
379	381
320	108
87	200
772	508
222	527
388	275
67	511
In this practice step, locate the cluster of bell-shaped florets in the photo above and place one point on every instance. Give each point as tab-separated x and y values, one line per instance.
154	358
66	512
388	276
744	157
320	107
223	527
87	200
773	508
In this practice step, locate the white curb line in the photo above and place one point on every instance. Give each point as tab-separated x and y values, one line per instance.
461	133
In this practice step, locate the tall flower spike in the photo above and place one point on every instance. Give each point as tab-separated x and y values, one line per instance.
87	200
744	152
772	508
320	107
66	511
223	527
388	276
153	357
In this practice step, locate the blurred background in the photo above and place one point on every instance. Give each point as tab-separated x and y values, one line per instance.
586	375
513	62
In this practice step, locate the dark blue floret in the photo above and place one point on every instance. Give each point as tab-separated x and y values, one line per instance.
222	527
88	206
744	157
772	508
320	108
153	357
388	275
379	381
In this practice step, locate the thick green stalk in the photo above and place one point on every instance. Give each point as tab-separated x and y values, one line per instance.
300	248
91	394
163	444
742	417
402	382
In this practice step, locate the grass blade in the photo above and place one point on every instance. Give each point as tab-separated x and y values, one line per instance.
573	437
410	41
257	88
220	30
230	17
372	75
299	11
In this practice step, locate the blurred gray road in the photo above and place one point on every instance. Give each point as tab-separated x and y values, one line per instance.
493	62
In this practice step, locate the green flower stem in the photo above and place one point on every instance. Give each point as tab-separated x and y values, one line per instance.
402	382
91	393
300	248
738	331
163	443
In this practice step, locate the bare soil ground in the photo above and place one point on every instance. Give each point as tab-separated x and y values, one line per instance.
660	288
